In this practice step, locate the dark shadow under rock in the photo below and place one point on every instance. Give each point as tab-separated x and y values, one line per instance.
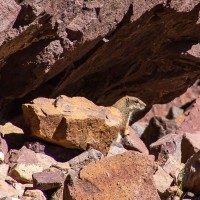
60	154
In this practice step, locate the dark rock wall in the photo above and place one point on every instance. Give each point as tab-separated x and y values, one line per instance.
99	49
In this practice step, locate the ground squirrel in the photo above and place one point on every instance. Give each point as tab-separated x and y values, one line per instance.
129	107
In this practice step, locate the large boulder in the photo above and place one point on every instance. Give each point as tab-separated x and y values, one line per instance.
124	176
73	122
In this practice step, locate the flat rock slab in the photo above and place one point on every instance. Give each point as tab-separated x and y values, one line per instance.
124	176
73	122
85	158
48	180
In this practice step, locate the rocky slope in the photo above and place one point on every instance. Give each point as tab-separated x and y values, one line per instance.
63	64
98	49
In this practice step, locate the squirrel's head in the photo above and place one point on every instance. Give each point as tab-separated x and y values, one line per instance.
135	104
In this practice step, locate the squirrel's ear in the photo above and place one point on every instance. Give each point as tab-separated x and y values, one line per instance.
127	101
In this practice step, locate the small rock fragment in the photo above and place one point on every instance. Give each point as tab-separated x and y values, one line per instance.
85	158
133	142
190	145
168	145
158	127
58	194
174	112
116	148
172	167
9	128
23	172
3	171
48	180
139	128
34	194
162	181
7	190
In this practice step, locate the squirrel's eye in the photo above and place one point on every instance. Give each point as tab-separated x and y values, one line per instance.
136	101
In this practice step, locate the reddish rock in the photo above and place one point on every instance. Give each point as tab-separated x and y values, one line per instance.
8	16
191	123
162	109
133	142
23	156
168	145
3	171
58	194
25	162
139	127
7	190
172	167
190	145
162	181
124	176
116	148
73	122
157	128
3	149
174	112
11	134
191	174
84	159
48	180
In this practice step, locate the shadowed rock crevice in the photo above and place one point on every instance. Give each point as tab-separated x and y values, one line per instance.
101	50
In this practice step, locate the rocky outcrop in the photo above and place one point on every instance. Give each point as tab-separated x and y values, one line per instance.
130	176
98	49
73	122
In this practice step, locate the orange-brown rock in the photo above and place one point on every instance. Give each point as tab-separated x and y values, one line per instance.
73	122
124	176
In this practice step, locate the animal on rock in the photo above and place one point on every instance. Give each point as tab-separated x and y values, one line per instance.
129	108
